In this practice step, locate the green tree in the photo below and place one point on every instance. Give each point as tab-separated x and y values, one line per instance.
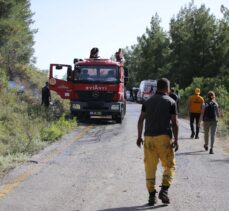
155	50
221	50
148	59
16	42
193	34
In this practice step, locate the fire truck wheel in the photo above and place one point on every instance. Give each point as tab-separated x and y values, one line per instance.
120	117
82	117
119	120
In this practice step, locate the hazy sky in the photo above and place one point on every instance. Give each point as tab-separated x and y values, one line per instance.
68	29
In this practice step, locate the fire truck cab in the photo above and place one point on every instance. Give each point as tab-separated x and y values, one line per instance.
95	87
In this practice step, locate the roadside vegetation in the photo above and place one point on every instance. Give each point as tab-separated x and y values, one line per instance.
25	126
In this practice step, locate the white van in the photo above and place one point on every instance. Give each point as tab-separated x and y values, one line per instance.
147	88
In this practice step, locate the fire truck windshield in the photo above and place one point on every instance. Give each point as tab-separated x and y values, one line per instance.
92	74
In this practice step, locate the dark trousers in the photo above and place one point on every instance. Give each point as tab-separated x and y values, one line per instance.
193	117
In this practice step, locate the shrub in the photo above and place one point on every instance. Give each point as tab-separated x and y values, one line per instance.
24	124
57	129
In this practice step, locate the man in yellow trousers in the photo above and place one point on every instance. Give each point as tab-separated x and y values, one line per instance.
159	113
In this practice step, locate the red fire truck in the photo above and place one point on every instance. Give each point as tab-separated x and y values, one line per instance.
95	87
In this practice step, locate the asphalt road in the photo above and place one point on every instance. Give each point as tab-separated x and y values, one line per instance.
98	167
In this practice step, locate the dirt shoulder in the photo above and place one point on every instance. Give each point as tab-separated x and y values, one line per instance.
224	142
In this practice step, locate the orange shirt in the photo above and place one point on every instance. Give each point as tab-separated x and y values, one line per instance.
195	103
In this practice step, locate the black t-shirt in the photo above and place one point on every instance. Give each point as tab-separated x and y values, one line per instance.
158	110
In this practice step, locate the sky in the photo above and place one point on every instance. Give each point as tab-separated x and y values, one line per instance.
68	29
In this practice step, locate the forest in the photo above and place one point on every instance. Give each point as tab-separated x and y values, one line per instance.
194	52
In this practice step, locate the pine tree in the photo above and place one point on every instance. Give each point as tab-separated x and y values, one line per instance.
16	35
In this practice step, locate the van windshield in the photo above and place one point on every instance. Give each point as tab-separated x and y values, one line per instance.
147	88
91	74
153	89
150	88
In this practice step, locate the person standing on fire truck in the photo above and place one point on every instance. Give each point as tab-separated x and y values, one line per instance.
94	53
119	55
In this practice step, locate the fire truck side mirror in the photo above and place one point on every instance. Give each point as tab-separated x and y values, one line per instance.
77	69
75	61
126	76
69	73
76	72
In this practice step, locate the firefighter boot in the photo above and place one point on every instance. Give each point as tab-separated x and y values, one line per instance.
152	198
163	194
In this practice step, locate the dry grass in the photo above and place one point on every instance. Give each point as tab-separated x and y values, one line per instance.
224	142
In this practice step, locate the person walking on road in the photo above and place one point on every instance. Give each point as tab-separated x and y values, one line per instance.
46	96
195	105
210	115
159	112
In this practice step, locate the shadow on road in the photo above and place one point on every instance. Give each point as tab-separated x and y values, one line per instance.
221	160
199	152
184	138
97	122
142	207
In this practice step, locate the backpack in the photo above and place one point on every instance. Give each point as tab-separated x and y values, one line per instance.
210	111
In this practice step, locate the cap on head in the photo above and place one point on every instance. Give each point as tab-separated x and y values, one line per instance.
197	91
